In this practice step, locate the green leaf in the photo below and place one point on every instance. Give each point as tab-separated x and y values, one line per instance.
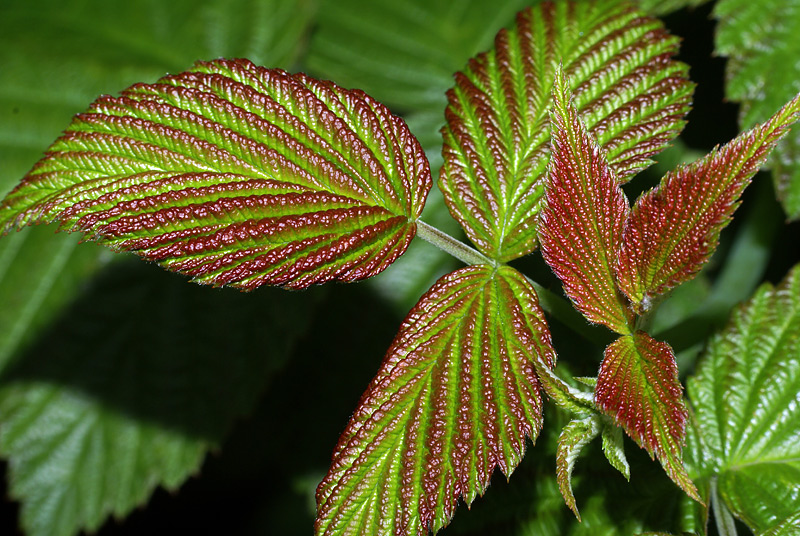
663	7
55	57
575	435
674	228
584	217
94	419
789	527
638	386
236	175
456	396
628	91
744	396
404	52
761	41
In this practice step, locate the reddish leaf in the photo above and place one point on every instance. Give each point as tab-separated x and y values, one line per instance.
456	396
585	212
235	175
674	228
638	386
629	92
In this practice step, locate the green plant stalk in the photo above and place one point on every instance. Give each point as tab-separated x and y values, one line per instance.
726	526
453	246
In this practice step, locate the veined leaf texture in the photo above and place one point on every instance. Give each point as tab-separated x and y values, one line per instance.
456	397
235	175
629	92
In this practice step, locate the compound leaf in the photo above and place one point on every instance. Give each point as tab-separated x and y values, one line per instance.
638	386
584	216
235	175
674	228
762	43
456	396
745	398
628	92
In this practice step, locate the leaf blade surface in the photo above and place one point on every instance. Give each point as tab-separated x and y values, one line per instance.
456	397
638	386
585	213
744	396
236	175
674	228
629	92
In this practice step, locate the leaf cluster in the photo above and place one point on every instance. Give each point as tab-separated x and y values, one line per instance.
240	175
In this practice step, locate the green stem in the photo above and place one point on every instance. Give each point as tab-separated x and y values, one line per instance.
450	245
726	525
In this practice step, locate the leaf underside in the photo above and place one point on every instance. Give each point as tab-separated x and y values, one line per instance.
456	396
584	216
745	399
628	92
674	228
638	386
235	175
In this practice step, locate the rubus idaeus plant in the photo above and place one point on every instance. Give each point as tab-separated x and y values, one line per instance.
239	175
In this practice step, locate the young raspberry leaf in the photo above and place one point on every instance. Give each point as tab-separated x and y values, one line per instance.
575	435
628	92
638	386
456	396
235	175
674	228
583	219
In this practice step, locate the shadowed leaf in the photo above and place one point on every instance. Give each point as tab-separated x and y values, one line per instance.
761	45
674	228
583	219
638	386
235	175
628	92
455	398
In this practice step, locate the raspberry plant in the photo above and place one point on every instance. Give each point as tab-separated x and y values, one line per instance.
240	175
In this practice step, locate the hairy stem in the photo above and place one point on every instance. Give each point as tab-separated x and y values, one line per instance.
454	247
726	526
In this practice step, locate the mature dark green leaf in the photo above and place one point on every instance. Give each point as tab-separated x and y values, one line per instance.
762	43
745	398
456	397
94	419
235	175
628	91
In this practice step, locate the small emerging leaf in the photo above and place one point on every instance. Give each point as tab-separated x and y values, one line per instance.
456	396
235	175
575	435
628	91
638	386
584	217
675	227
614	449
